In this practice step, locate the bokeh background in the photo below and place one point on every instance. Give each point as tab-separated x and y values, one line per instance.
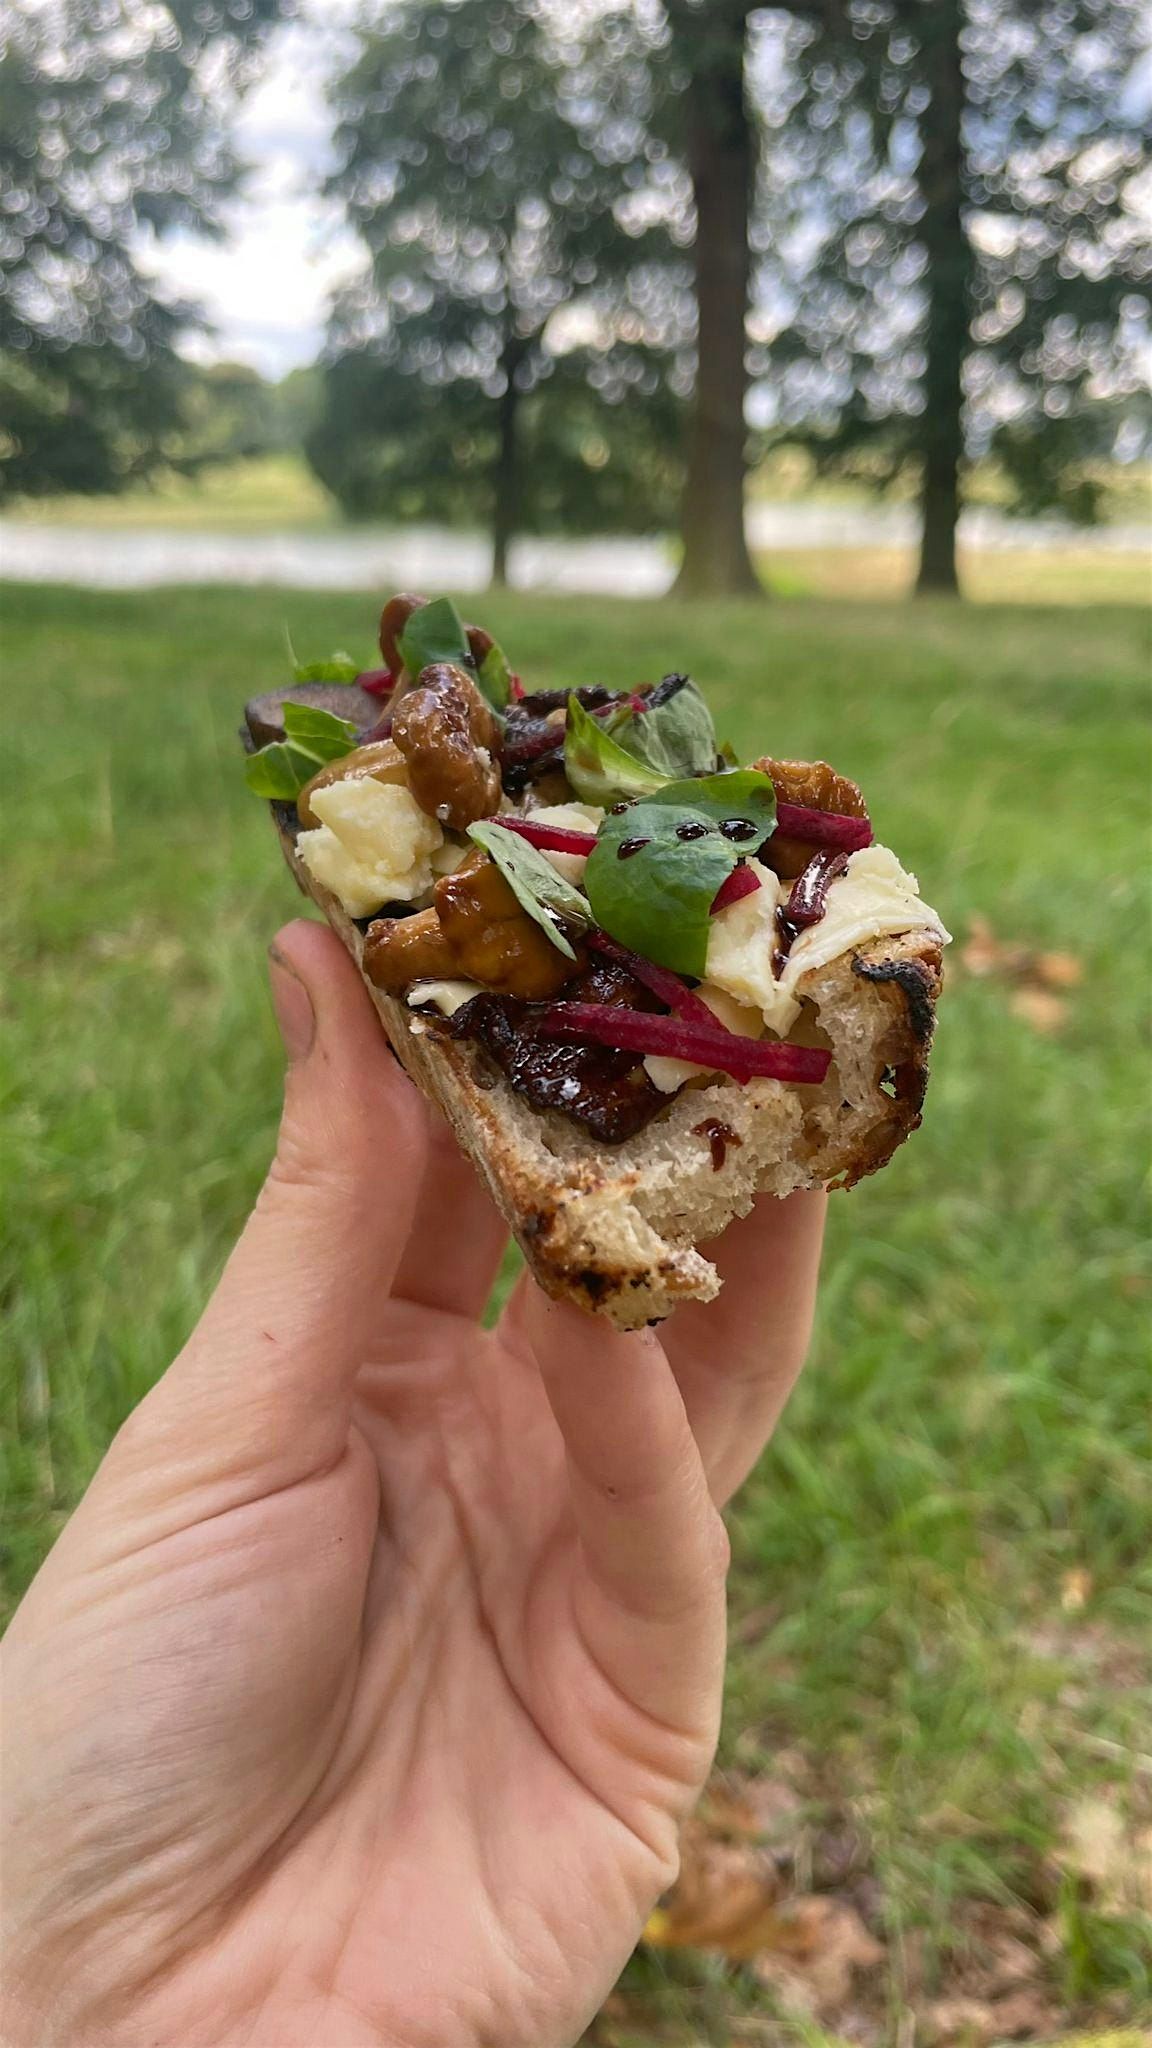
805	347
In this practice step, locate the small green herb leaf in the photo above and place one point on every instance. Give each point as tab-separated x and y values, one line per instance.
337	668
743	795
651	885
434	633
495	677
677	738
533	880
311	738
598	767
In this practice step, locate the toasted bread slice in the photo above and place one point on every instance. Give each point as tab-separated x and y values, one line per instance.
616	1228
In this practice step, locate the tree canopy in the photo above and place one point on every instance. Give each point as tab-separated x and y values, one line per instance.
115	125
523	298
953	248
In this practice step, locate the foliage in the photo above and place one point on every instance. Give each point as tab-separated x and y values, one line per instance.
522	300
390	445
1053	301
114	126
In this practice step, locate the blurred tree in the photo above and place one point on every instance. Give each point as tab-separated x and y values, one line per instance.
514	347
717	134
114	127
953	248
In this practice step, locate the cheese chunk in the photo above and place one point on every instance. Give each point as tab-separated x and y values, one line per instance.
874	899
445	996
668	1075
372	846
570	818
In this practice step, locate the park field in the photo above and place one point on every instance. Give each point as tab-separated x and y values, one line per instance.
942	1602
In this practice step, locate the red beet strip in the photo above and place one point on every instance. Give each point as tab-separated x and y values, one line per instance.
823	828
743	881
672	1038
660	980
550	838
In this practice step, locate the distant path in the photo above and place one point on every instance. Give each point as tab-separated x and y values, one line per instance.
365	558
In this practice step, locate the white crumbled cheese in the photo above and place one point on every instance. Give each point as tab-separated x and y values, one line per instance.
447	858
874	899
741	941
373	844
445	996
668	1075
570	818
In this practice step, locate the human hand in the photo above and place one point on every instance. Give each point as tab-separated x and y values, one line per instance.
361	1699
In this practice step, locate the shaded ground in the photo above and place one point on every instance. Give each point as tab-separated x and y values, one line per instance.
943	1601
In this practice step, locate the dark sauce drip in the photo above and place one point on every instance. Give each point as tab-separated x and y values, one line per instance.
739	829
628	847
719	1137
808	901
692	828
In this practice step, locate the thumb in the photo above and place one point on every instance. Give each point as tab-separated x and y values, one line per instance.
265	1381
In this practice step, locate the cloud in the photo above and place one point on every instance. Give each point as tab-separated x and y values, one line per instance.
265	289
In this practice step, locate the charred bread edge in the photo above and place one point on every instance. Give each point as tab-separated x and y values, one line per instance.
613	1229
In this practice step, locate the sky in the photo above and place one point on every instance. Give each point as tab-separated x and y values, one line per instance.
265	289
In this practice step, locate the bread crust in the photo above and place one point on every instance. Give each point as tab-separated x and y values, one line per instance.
615	1229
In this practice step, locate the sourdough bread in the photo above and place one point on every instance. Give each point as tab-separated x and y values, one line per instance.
616	1229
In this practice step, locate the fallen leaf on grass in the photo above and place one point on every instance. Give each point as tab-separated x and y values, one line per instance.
1045	1012
1075	1589
755	1809
1040	980
732	1898
725	1898
819	1944
1113	1857
1058	970
970	2022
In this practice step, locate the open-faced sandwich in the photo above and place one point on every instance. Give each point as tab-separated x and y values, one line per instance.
644	984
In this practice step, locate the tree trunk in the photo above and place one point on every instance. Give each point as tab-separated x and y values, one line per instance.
506	470
949	296
721	153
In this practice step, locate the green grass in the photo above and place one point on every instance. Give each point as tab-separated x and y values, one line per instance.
974	1425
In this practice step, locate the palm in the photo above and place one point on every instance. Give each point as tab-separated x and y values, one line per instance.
461	1722
434	1695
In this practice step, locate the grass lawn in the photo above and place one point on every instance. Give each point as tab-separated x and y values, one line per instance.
943	1599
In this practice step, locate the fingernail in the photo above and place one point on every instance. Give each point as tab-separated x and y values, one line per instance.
293	1006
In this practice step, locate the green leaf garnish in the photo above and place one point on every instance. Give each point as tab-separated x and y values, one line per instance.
434	633
311	739
533	880
657	899
336	668
677	738
495	677
598	767
745	793
635	752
